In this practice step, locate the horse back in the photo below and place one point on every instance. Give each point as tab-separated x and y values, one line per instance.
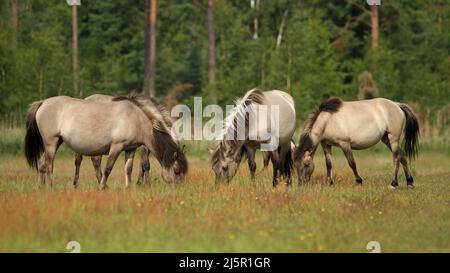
363	123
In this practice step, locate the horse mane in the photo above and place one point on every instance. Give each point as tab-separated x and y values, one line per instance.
218	152
163	142
165	149
331	105
156	112
238	114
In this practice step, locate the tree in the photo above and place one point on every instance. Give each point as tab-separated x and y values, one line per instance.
374	25
15	13
75	91
254	4
150	48
211	53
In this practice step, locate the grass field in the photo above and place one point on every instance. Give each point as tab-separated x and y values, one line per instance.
239	217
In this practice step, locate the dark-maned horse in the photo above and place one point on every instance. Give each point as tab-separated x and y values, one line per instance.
358	125
158	110
93	129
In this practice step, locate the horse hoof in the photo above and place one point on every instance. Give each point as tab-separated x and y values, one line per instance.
394	184
410	186
359	181
392	187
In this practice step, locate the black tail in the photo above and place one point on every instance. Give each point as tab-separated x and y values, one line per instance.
34	146
411	141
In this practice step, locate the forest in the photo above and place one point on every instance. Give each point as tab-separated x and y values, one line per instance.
218	49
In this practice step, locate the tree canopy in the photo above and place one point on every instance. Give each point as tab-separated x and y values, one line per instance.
313	49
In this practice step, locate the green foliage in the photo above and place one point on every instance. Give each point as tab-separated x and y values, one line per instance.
324	48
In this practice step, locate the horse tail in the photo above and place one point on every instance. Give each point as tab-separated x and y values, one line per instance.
411	139
34	146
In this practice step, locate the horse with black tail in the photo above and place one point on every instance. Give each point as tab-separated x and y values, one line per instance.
358	125
158	111
93	129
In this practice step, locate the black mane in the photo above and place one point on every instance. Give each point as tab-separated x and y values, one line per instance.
331	105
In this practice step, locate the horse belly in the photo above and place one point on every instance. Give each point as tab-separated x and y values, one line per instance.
366	138
86	142
87	148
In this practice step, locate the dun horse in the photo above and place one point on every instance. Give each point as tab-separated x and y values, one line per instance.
160	113
228	155
93	129
358	125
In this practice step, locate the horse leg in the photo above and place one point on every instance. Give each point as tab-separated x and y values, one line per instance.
51	147
274	156
351	162
78	159
327	151
396	161
129	156
41	170
266	158
112	157
393	145
97	163
251	161
145	167
409	178
286	163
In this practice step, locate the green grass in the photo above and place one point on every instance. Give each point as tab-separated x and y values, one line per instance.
240	217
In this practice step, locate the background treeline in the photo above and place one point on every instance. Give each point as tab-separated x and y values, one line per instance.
311	48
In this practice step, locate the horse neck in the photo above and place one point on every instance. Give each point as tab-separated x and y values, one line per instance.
317	130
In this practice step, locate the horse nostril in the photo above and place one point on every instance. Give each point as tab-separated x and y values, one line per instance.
225	168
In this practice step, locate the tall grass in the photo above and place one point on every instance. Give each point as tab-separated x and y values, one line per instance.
243	216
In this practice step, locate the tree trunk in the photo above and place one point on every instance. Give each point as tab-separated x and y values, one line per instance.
146	46
15	13
280	30
211	53
75	92
150	49
254	4
374	24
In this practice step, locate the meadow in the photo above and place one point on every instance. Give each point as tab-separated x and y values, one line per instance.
242	216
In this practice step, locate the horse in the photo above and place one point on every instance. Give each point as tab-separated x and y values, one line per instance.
93	129
161	114
358	125
230	151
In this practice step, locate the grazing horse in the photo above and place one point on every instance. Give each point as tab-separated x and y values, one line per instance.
357	125
160	113
230	151
93	129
